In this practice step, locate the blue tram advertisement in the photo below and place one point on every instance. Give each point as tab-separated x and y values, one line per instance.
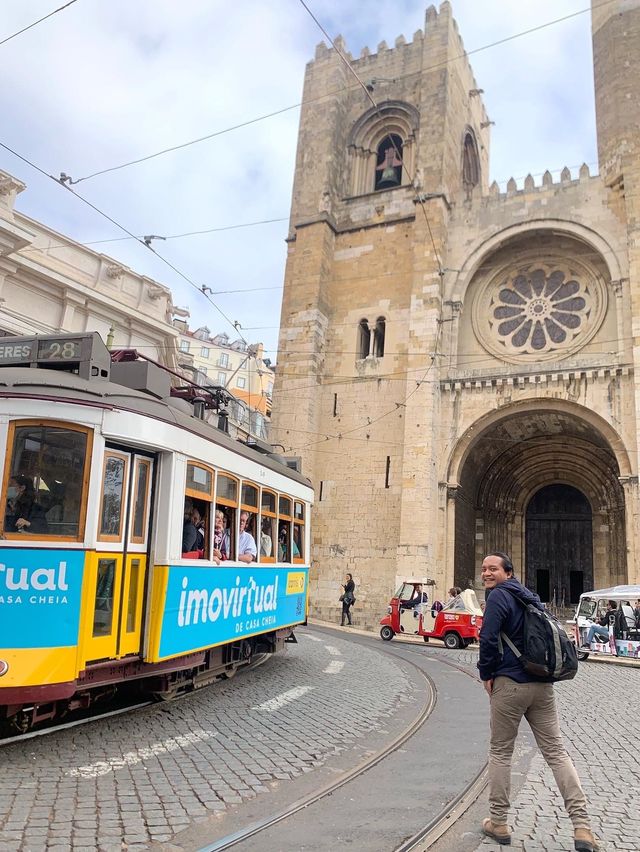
140	544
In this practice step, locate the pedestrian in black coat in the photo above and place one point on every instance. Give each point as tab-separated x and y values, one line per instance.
348	599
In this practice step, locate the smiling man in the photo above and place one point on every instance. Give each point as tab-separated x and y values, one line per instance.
513	694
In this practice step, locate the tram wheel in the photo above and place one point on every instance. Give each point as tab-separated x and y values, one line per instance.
387	633
452	640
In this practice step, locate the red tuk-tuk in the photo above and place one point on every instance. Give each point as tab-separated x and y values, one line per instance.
457	622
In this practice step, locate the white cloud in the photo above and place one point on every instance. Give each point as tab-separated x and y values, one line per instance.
102	83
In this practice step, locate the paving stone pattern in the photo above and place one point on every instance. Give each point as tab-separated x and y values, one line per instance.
601	726
125	782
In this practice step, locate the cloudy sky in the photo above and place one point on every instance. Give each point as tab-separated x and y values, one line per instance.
103	83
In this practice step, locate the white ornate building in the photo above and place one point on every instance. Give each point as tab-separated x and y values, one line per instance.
50	283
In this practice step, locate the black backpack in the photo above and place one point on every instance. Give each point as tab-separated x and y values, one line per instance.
548	652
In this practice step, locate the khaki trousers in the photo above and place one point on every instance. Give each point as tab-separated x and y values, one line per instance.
510	701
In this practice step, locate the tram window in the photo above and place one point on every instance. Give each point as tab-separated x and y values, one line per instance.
226	512
103	610
224	533
284	507
250	496
298	531
46	480
298	543
114	478
268	502
140	500
284	529
199	479
227	488
196	530
132	598
267	535
284	541
268	527
247	523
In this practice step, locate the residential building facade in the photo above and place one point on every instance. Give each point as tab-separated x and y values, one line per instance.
232	364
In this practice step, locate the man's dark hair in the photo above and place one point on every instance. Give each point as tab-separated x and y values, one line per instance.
613	604
507	564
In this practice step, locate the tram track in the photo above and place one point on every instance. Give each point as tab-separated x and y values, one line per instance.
118	711
427	835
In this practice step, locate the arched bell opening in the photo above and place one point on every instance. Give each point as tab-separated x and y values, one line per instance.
542	485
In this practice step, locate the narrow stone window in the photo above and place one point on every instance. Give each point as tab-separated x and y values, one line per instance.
364	339
470	163
378	338
388	172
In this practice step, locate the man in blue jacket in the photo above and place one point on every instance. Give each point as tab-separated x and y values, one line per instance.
513	694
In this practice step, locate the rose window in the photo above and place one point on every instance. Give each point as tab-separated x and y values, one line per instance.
540	311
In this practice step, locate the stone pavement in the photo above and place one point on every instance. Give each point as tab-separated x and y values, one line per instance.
601	725
123	783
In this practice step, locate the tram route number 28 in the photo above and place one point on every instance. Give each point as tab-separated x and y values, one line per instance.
40	350
67	350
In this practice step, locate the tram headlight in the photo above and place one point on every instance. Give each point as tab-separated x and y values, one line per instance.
4	667
389	610
473	619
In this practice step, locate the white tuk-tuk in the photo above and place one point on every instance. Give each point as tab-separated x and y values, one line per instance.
622	622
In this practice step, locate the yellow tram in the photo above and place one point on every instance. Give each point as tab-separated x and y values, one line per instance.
107	468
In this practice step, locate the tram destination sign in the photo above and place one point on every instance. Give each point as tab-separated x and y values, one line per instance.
26	350
82	354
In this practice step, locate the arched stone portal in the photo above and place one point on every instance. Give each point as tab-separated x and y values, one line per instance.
509	465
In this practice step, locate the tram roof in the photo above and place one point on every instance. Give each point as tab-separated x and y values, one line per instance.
67	387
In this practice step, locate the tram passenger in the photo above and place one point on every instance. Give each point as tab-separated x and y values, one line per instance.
23	513
283	544
193	535
221	537
266	542
247	550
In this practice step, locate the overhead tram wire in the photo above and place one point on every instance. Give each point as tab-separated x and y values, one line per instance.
277	112
201	289
169	236
39	21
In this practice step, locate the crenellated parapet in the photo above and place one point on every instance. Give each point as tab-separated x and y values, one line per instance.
546	182
436	21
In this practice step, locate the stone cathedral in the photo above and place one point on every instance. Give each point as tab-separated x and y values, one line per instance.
457	365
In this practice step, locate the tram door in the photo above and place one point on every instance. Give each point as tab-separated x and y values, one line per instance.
119	566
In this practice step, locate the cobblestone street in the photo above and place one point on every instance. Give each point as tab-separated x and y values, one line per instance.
142	780
146	776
